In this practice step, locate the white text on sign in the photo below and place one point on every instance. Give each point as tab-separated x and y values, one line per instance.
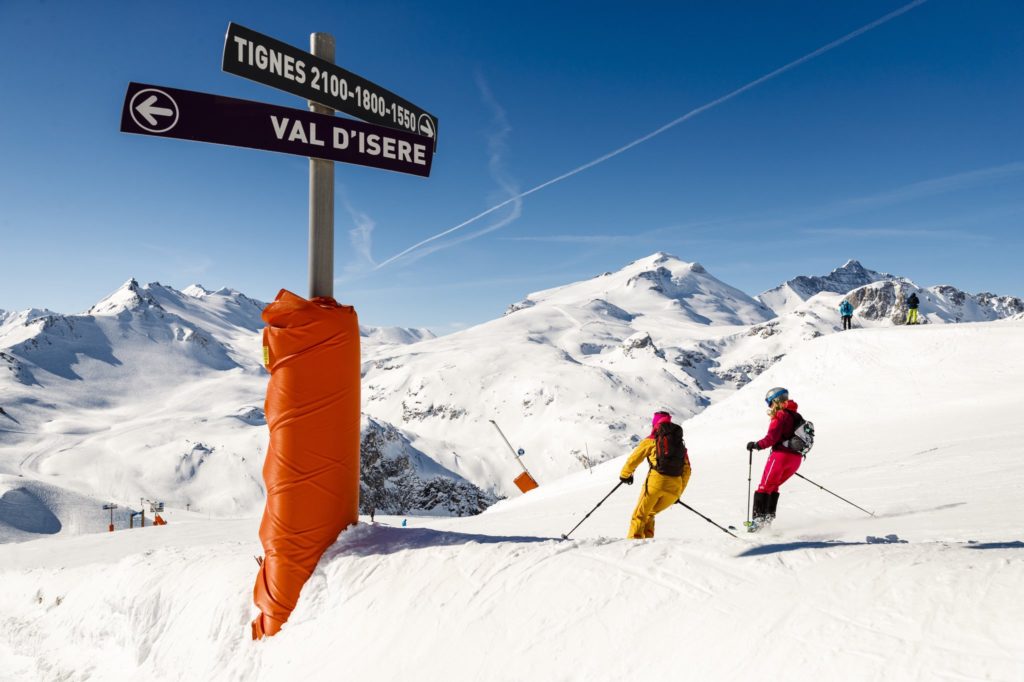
340	137
296	70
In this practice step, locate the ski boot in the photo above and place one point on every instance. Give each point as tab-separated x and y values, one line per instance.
769	512
759	513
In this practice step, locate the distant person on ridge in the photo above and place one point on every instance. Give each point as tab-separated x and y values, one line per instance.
912	303
846	312
666	480
782	462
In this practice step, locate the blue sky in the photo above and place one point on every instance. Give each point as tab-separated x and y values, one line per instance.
903	148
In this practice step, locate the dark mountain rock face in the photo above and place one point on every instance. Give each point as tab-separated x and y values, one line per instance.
393	479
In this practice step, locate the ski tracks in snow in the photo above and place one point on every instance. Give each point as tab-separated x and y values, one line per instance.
389	604
896	614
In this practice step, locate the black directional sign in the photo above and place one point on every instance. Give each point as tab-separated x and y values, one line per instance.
187	115
266	60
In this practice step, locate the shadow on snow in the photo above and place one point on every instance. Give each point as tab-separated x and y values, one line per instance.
870	540
365	540
792	546
1015	544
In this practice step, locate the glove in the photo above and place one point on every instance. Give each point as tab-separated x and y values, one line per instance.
627	480
752	446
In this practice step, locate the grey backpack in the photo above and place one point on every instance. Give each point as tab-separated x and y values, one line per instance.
802	439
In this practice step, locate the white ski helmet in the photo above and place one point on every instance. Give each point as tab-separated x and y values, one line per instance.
777	393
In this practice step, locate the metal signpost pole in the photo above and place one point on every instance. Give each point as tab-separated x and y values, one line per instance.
321	195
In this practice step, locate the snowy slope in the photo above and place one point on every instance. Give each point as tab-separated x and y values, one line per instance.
158	393
652	285
918	424
742	355
566	368
565	373
394	335
152	393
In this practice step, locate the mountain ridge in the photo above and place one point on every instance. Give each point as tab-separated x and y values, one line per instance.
847	277
571	377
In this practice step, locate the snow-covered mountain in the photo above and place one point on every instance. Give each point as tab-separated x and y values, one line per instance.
570	373
153	393
789	295
652	286
158	393
886	301
395	335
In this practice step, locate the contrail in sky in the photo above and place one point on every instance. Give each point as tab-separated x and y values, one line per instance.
671	124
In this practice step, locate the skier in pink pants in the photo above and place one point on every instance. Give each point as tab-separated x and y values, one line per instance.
782	462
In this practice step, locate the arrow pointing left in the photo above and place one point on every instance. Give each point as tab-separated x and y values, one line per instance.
146	105
150	112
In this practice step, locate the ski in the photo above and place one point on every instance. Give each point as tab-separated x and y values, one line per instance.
757	526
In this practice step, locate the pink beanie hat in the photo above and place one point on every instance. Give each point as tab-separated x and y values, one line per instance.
659	417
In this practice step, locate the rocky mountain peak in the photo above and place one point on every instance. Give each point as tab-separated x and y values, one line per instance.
842	280
129	297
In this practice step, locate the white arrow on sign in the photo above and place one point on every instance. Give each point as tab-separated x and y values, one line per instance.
149	112
146	107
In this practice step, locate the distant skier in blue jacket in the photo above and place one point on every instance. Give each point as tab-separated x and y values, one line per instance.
846	311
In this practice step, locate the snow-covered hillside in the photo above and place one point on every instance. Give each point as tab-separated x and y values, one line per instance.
153	393
919	425
394	335
886	302
566	372
158	394
569	372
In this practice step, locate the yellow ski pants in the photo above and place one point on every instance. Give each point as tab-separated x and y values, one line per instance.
659	493
912	316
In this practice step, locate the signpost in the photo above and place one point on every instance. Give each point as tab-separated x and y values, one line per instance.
394	135
321	194
524	481
268	61
111	507
189	115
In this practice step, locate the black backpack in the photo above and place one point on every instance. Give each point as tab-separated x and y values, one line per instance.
671	450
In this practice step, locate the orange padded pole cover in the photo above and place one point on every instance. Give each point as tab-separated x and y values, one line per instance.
311	348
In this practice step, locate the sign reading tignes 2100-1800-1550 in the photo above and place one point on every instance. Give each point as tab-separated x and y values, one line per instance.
188	115
271	62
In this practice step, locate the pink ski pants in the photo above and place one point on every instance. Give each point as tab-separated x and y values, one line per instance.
778	469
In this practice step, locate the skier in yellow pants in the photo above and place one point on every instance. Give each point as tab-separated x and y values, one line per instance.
912	303
666	453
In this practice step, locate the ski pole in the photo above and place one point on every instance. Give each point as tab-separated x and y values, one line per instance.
703	517
832	493
565	536
750	466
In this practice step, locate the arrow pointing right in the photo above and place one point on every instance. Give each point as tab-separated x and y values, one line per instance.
149	112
